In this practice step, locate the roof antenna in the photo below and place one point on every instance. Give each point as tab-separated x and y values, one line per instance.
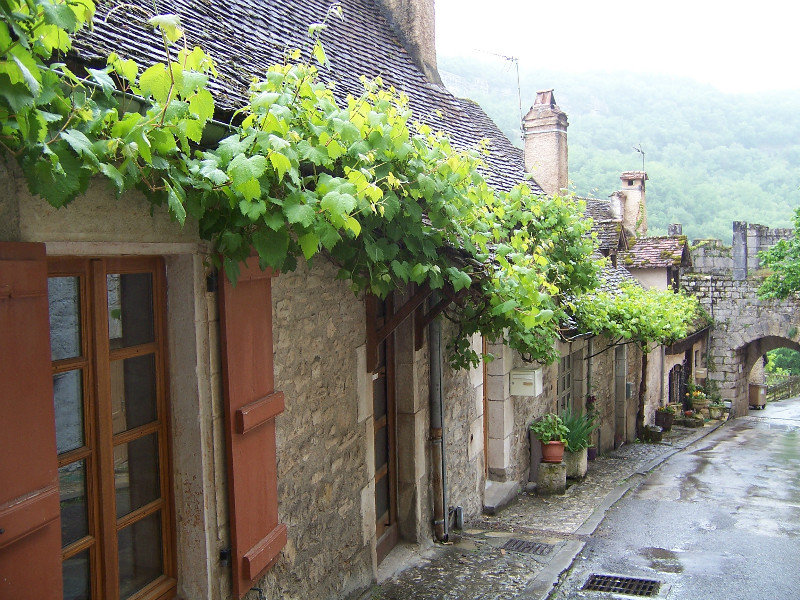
640	151
515	61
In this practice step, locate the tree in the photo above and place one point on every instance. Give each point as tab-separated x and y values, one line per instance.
783	260
639	316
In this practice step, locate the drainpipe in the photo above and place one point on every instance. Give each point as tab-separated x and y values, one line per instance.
440	527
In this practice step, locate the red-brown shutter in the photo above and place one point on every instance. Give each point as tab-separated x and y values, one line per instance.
251	405
30	527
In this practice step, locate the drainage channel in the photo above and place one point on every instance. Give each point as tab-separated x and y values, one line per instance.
632	586
538	548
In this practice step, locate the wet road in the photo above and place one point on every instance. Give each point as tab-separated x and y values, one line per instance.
720	519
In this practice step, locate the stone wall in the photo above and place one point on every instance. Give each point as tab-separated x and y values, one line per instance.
323	442
463	433
725	280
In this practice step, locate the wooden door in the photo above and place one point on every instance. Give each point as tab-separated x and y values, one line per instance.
383	405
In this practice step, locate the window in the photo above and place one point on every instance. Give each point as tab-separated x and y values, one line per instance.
107	346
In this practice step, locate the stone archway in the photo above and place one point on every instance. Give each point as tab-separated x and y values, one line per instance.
746	357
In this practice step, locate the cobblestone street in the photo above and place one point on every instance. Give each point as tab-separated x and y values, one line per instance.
477	566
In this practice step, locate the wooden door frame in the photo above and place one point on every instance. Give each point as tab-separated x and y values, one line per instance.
386	538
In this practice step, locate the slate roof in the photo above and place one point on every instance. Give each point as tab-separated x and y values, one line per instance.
246	36
609	234
657	252
611	278
599	210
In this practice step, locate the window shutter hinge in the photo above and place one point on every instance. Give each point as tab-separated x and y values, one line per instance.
212	282
225	557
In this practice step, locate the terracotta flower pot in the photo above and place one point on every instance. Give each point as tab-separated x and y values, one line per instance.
552	452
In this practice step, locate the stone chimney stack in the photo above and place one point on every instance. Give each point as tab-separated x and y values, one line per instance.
545	130
414	22
634	209
674	229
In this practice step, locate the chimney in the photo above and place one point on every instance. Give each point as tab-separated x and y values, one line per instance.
414	22
545	131
674	229
634	209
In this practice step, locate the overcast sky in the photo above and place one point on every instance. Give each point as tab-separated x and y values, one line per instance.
734	45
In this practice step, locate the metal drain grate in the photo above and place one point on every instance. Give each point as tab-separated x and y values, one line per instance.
528	547
622	585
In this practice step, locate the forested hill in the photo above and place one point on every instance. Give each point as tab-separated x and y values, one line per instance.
712	157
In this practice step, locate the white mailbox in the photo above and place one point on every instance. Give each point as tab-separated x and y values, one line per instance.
526	382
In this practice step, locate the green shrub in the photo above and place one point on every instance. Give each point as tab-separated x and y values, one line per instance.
579	429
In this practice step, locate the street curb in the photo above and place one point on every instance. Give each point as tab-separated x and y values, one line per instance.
548	578
542	585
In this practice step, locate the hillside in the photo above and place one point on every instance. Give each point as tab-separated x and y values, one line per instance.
712	157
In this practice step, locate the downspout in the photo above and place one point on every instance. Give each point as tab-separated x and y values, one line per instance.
440	525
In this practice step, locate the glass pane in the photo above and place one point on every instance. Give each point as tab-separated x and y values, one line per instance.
74	516
130	309
382	498
133	392
65	317
381	448
379	397
75	572
139	547
68	401
136	474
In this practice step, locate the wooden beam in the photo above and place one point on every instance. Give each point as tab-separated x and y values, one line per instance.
422	320
401	315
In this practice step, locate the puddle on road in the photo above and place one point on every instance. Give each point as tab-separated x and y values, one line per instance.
662	560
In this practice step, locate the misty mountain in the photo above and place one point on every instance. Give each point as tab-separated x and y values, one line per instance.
712	157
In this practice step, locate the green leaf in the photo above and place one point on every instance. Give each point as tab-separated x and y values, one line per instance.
169	24
272	246
175	202
211	172
80	143
243	169
505	307
458	278
59	15
28	69
202	105
114	175
251	190
156	82
338	204
299	213
280	163
309	244
319	54
102	78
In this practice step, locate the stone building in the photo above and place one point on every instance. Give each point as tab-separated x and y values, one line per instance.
745	327
274	439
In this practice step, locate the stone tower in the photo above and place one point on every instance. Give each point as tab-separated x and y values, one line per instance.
634	209
545	131
414	22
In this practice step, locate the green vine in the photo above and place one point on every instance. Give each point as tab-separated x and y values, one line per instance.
387	199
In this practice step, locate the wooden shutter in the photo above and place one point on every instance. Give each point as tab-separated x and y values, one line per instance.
251	405
30	527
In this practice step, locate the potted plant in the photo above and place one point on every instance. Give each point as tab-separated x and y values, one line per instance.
715	409
579	431
665	416
551	432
